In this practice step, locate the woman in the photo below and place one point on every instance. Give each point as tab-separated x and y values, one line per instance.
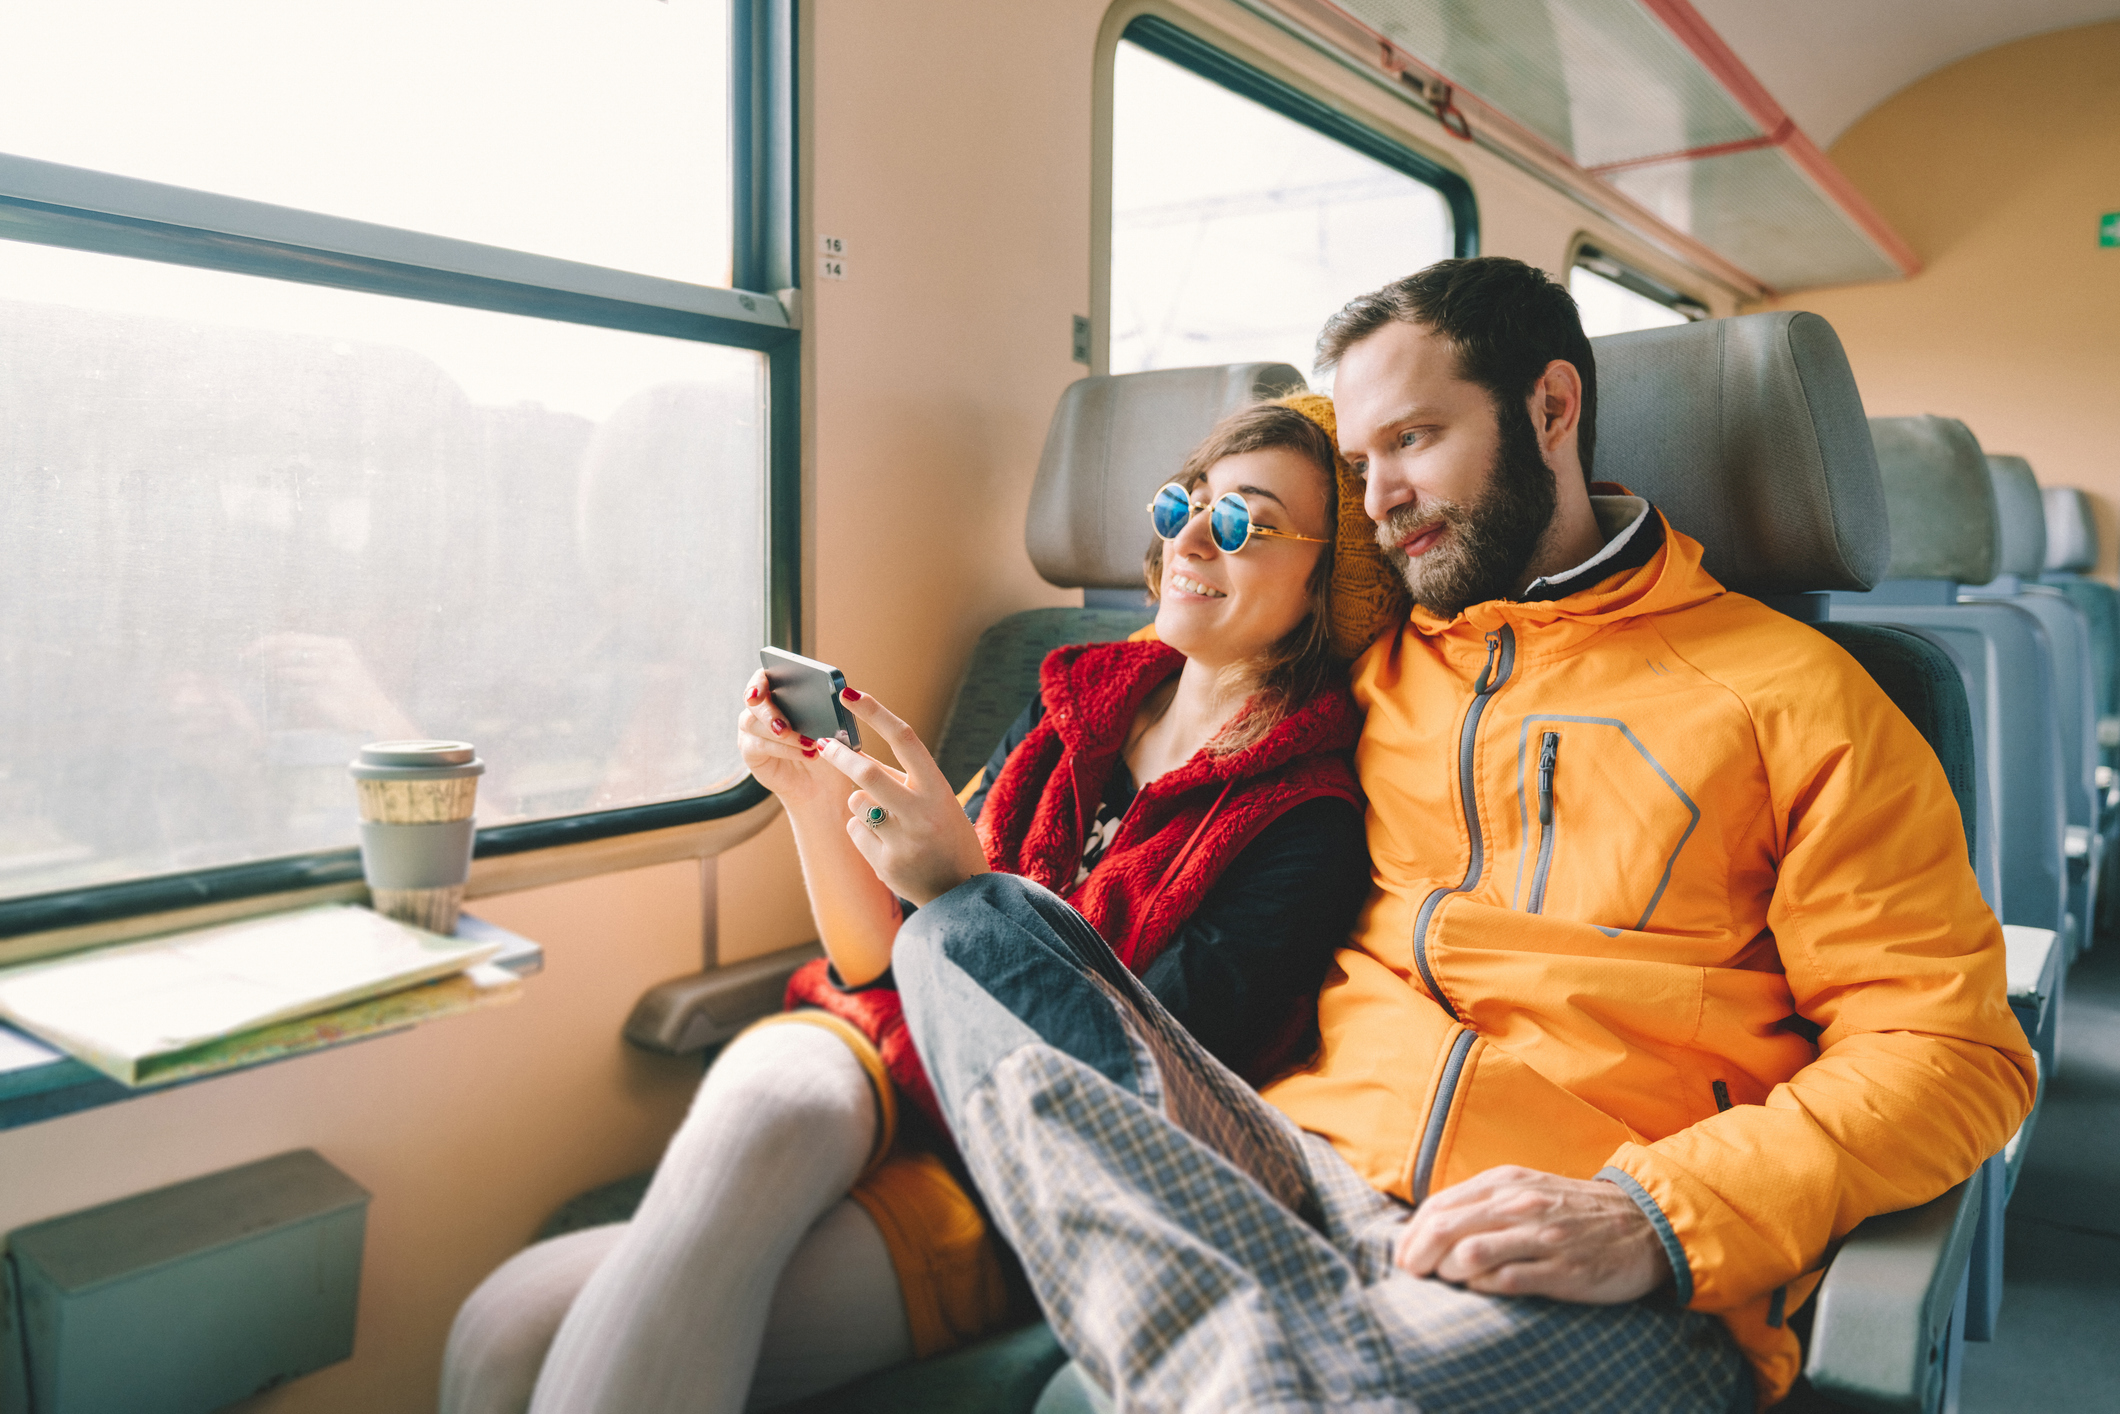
1190	795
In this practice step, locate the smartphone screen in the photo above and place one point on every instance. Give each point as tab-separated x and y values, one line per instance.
807	694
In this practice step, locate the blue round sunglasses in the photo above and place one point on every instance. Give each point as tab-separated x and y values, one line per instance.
1229	519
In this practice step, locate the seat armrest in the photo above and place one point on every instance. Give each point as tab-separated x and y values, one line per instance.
1881	1337
703	1009
2032	964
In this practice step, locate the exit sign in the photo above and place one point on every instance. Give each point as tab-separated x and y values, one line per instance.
2109	229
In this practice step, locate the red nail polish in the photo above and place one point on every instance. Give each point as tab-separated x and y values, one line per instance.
806	742
852	696
811	752
751	696
779	725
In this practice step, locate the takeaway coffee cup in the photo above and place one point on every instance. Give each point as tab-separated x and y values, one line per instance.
416	800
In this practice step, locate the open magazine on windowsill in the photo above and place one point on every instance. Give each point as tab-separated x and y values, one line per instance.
194	1003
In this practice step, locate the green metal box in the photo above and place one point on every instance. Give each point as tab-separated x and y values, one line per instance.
187	1298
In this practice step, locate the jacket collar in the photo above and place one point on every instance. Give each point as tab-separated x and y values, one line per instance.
1631	534
1092	692
1669	578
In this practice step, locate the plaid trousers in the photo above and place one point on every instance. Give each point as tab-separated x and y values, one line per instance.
1192	1248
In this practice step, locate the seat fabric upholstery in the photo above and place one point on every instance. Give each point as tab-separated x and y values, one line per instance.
1936	484
2071	530
1002	677
2020	512
1925	684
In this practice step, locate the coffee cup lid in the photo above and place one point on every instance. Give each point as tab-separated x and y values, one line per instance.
431	760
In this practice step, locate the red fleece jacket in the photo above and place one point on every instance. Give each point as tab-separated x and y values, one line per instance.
1182	830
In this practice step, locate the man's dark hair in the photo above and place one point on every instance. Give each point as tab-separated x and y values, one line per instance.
1507	321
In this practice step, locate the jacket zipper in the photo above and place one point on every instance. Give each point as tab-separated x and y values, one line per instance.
1549	749
1501	658
1439	1113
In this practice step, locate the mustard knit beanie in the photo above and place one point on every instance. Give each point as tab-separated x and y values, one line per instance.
1367	594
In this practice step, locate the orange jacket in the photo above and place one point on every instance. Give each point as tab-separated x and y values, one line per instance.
1617	894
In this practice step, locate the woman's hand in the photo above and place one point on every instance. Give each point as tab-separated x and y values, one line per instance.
784	761
923	846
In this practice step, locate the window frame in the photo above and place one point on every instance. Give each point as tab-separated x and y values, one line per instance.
1162	35
46	203
1589	253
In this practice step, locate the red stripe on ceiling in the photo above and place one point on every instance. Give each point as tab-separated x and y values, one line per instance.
1699	37
1356	36
1689	154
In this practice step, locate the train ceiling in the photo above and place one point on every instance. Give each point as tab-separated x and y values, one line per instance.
1694	126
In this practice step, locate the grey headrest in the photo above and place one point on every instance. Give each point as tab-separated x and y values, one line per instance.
1941	499
1114	440
1748	434
2071	530
2021	513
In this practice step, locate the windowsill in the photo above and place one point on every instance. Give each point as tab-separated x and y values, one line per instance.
490	875
63	1085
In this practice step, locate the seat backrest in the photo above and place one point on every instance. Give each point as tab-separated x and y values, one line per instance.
1940	500
1112	442
1002	676
2071	530
2071	554
2020	513
1749	434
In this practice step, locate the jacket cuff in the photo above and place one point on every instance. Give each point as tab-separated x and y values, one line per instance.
1674	1251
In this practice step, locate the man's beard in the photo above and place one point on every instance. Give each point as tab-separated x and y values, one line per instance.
1486	547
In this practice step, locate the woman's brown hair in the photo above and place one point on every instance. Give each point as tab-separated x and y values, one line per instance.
1287	674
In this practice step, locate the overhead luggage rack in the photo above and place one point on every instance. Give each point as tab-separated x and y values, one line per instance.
1638	107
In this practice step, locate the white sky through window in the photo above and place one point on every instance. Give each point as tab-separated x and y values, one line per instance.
1236	231
592	130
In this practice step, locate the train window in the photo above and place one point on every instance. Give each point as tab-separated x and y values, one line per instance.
1244	212
274	483
587	131
1615	298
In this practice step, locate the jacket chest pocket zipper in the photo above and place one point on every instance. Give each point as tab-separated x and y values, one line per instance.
1549	750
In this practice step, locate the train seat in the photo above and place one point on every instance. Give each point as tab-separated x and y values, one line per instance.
1946	532
1749	434
2072	553
2021	515
2071	556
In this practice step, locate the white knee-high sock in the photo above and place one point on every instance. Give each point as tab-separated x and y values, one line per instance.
500	1337
837	1314
673	1317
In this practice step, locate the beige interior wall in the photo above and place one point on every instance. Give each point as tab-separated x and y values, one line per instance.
950	143
1997	169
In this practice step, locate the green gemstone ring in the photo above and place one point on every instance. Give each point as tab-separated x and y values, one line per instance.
874	817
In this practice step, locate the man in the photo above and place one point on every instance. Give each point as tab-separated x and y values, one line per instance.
1674	969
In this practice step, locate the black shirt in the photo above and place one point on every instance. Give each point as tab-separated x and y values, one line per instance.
1267	929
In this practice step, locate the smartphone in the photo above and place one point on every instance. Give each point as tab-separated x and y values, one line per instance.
807	693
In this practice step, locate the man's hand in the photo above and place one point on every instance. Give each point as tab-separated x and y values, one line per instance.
1518	1232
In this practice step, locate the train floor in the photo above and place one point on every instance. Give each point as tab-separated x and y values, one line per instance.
2057	1345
